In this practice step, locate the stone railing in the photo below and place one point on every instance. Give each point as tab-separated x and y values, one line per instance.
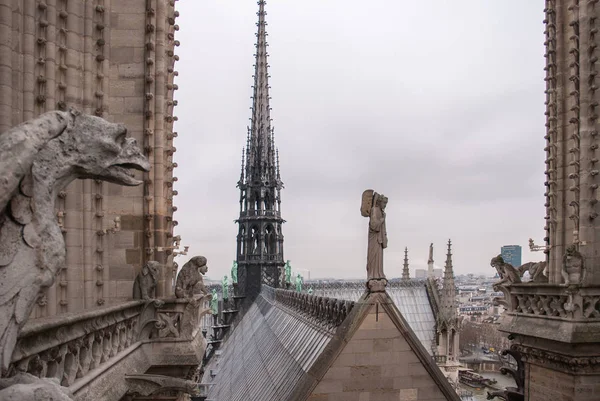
67	347
78	348
330	312
548	300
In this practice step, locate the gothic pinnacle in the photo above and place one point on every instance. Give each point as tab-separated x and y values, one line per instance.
405	271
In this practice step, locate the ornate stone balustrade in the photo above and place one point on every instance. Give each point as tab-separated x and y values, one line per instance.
560	302
330	312
84	350
67	347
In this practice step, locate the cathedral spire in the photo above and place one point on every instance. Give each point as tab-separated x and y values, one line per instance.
260	238
260	165
405	271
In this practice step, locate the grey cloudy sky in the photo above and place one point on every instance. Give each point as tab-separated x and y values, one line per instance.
437	104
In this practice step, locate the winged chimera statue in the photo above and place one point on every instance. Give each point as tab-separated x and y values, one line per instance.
38	159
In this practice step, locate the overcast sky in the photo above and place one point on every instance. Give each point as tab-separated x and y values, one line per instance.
436	104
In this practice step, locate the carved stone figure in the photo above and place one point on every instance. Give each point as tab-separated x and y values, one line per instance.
225	287
144	286
536	271
234	269
189	280
373	206
573	270
508	274
299	282
288	272
214	302
38	159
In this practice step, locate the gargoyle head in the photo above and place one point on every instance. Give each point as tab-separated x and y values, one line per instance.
152	268
91	147
497	261
199	262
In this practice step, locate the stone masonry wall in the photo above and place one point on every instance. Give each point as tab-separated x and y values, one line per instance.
377	364
114	59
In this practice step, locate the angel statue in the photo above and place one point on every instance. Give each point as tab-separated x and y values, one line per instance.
373	206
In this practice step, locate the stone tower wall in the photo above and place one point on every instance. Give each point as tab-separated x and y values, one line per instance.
572	108
113	59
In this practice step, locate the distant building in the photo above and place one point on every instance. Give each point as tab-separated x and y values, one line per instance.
420	273
511	254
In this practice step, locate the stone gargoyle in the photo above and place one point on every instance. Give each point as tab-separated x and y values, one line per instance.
38	159
189	280
144	286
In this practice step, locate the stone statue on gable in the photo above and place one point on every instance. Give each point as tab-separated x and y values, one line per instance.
373	206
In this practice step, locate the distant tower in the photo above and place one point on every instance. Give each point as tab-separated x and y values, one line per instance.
259	240
447	324
430	262
405	271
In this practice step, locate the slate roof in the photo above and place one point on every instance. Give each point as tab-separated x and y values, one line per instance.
272	348
411	298
285	343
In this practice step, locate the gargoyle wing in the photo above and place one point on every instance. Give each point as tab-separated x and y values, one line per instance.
19	146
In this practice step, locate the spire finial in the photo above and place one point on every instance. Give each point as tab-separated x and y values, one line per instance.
430	261
448	271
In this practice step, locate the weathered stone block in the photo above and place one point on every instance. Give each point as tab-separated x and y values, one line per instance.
132	223
121	273
133	256
409	394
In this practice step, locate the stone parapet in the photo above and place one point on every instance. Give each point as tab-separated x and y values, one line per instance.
328	312
93	351
558	313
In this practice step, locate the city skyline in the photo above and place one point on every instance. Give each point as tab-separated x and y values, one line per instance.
473	172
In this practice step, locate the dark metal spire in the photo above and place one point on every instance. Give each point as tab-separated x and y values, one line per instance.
260	238
260	158
405	271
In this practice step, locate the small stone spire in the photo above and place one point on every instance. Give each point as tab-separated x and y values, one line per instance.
405	271
449	289
430	262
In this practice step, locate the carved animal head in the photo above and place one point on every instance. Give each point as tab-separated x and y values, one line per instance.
497	261
199	263
91	147
152	268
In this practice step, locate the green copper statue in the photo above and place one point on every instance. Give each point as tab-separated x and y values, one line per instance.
225	287
299	282
288	272
234	277
214	302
